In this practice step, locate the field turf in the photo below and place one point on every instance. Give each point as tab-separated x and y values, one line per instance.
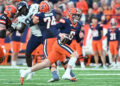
88	77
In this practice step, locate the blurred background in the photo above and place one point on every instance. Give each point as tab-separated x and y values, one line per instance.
104	9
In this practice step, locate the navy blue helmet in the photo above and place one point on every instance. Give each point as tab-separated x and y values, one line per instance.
21	4
22	8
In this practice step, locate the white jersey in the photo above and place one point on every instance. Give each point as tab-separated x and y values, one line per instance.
26	20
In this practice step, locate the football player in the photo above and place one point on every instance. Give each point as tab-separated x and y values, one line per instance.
75	15
96	41
5	25
24	17
113	41
36	38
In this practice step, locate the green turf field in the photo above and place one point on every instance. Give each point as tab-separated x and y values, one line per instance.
10	77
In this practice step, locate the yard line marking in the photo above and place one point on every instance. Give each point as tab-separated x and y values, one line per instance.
42	83
59	68
34	79
70	83
100	78
19	75
55	84
99	74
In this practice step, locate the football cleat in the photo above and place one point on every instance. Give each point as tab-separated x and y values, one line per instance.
53	80
22	75
66	76
73	79
21	80
30	75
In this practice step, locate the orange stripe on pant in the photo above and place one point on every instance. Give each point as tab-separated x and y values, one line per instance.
113	46
59	52
16	46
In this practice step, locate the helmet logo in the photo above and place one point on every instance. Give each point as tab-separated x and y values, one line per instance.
42	7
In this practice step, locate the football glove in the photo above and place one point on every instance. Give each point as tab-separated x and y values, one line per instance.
65	40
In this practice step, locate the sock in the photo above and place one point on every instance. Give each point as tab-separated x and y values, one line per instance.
72	74
28	70
55	75
72	62
68	70
82	65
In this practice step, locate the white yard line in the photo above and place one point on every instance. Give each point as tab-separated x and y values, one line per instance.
98	74
60	68
41	83
56	84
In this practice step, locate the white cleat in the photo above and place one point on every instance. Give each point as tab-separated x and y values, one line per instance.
104	67
113	67
66	76
30	75
22	73
53	80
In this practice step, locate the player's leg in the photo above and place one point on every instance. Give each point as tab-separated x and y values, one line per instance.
112	54
71	64
116	56
52	58
66	50
64	61
48	43
33	43
79	51
16	48
94	47
100	51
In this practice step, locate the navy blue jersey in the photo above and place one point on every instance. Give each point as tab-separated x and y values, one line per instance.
113	35
4	24
64	26
77	28
47	22
96	31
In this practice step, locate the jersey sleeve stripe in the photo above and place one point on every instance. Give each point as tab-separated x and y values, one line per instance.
2	21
